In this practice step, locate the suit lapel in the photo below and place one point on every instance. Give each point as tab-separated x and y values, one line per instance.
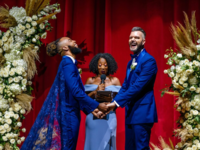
138	61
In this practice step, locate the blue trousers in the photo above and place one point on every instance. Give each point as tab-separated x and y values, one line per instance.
138	136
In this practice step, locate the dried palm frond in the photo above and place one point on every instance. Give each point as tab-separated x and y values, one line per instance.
46	17
171	144
37	6
194	27
31	7
6	20
163	145
173	93
2	60
25	101
41	6
30	56
27	6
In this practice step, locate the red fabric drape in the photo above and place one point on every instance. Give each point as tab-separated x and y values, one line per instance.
105	26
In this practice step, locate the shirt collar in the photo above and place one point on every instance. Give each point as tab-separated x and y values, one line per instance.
73	60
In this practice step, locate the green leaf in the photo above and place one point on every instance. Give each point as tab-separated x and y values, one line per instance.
162	93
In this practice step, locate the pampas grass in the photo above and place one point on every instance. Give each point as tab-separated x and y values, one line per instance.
30	56
25	101
163	145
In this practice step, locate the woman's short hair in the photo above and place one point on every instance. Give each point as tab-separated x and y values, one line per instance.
112	65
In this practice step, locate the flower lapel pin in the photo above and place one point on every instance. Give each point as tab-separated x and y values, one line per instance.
133	66
80	71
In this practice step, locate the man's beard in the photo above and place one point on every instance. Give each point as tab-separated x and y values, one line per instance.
74	50
139	48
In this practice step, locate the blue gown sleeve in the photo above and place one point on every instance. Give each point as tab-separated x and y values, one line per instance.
148	72
87	104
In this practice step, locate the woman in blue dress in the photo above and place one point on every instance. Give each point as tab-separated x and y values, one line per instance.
101	133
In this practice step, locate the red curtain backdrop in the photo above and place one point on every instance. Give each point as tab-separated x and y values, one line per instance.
104	26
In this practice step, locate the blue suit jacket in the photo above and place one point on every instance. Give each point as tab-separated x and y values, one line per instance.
75	97
137	94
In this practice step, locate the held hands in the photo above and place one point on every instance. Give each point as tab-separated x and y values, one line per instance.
103	109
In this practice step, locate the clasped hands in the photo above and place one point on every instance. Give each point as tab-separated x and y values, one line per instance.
103	109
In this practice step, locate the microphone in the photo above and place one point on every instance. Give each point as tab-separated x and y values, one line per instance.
103	77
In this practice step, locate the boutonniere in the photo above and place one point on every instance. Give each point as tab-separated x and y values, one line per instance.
133	66
80	71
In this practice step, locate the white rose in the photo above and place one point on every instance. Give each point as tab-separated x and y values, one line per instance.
171	74
28	26
198	47
37	37
165	56
190	131
184	78
1	147
9	121
7	115
22	138
12	141
34	17
1	127
22	111
179	55
4	138
41	26
178	108
33	40
192	103
186	115
12	73
28	19
192	53
16	116
6	126
58	10
16	79
19	142
19	124
194	147
4	39
36	48
185	85
181	81
198	57
24	130
44	35
189	71
198	145
195	112
53	17
8	130
179	144
197	90
193	80
34	23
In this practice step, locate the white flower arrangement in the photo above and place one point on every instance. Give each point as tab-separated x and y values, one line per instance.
15	76
184	71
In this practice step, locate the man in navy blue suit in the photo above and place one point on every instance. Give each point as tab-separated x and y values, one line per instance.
137	95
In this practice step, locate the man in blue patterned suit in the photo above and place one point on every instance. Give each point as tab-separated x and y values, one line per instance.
57	125
137	95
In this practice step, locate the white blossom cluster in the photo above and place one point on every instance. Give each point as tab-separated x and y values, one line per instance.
185	76
13	74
